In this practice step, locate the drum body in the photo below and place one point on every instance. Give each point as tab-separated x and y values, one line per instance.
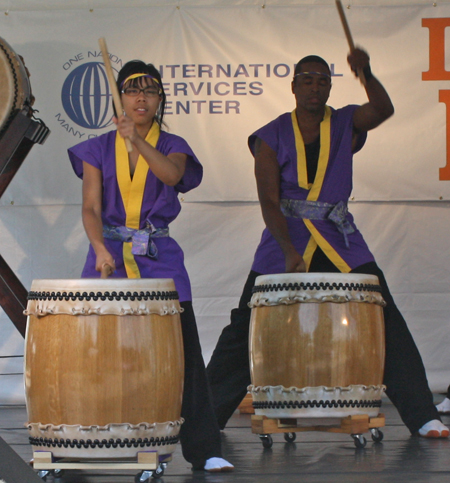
104	367
317	345
15	90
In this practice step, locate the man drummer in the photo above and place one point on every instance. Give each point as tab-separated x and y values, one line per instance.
303	168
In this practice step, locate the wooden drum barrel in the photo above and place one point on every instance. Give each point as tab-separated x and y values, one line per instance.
317	345
104	367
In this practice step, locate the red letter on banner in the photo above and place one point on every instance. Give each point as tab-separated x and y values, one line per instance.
437	49
444	173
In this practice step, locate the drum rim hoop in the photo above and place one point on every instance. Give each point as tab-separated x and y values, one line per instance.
13	110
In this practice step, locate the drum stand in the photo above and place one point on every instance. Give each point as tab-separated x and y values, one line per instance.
354	425
15	143
149	462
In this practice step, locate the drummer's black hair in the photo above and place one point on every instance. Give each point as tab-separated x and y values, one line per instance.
311	58
139	67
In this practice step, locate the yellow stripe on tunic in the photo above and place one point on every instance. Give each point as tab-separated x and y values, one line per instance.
132	192
302	171
329	251
309	252
316	187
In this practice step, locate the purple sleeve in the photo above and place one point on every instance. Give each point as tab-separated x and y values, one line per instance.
90	151
268	133
170	143
93	151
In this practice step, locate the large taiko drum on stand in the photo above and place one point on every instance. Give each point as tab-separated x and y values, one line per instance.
104	367
317	345
15	89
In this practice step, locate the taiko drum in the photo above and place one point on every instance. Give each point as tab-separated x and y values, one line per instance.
317	345
104	366
15	89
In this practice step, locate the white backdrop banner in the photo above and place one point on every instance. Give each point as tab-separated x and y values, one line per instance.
227	71
227	68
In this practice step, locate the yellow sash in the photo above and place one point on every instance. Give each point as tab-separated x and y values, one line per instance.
316	187
132	191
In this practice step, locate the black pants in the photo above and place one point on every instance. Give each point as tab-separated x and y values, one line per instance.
200	434
404	374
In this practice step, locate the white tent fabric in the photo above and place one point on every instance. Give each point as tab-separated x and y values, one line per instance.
227	68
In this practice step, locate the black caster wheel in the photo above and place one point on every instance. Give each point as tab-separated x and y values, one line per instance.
290	437
359	440
266	440
58	473
377	435
160	470
143	477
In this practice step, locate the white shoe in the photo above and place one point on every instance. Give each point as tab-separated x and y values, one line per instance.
217	465
434	429
444	407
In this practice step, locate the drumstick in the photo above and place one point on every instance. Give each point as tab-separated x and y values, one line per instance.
113	85
348	34
107	270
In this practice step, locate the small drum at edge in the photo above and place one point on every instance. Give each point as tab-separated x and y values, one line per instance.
15	89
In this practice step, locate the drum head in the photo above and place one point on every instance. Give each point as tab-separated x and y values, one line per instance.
289	288
312	278
14	84
96	296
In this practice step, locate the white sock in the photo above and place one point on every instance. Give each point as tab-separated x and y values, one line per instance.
217	465
444	406
434	429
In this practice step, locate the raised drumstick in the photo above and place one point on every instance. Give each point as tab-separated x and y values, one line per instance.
348	34
113	85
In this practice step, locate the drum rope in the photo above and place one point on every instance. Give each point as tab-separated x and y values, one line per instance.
376	403
316	286
169	295
111	443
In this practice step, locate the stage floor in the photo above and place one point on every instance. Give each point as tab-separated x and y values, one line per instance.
314	457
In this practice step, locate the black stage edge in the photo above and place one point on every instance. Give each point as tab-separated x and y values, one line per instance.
13	468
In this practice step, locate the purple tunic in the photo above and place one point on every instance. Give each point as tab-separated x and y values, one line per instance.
337	186
160	205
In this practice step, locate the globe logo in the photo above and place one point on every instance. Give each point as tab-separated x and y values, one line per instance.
86	96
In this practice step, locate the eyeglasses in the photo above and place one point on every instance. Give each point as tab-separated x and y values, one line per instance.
135	91
307	78
313	73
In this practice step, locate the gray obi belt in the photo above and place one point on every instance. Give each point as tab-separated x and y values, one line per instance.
141	240
319	210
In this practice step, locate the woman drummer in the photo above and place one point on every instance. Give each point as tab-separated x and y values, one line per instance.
135	195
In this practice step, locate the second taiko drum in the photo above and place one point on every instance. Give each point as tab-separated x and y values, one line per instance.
317	345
